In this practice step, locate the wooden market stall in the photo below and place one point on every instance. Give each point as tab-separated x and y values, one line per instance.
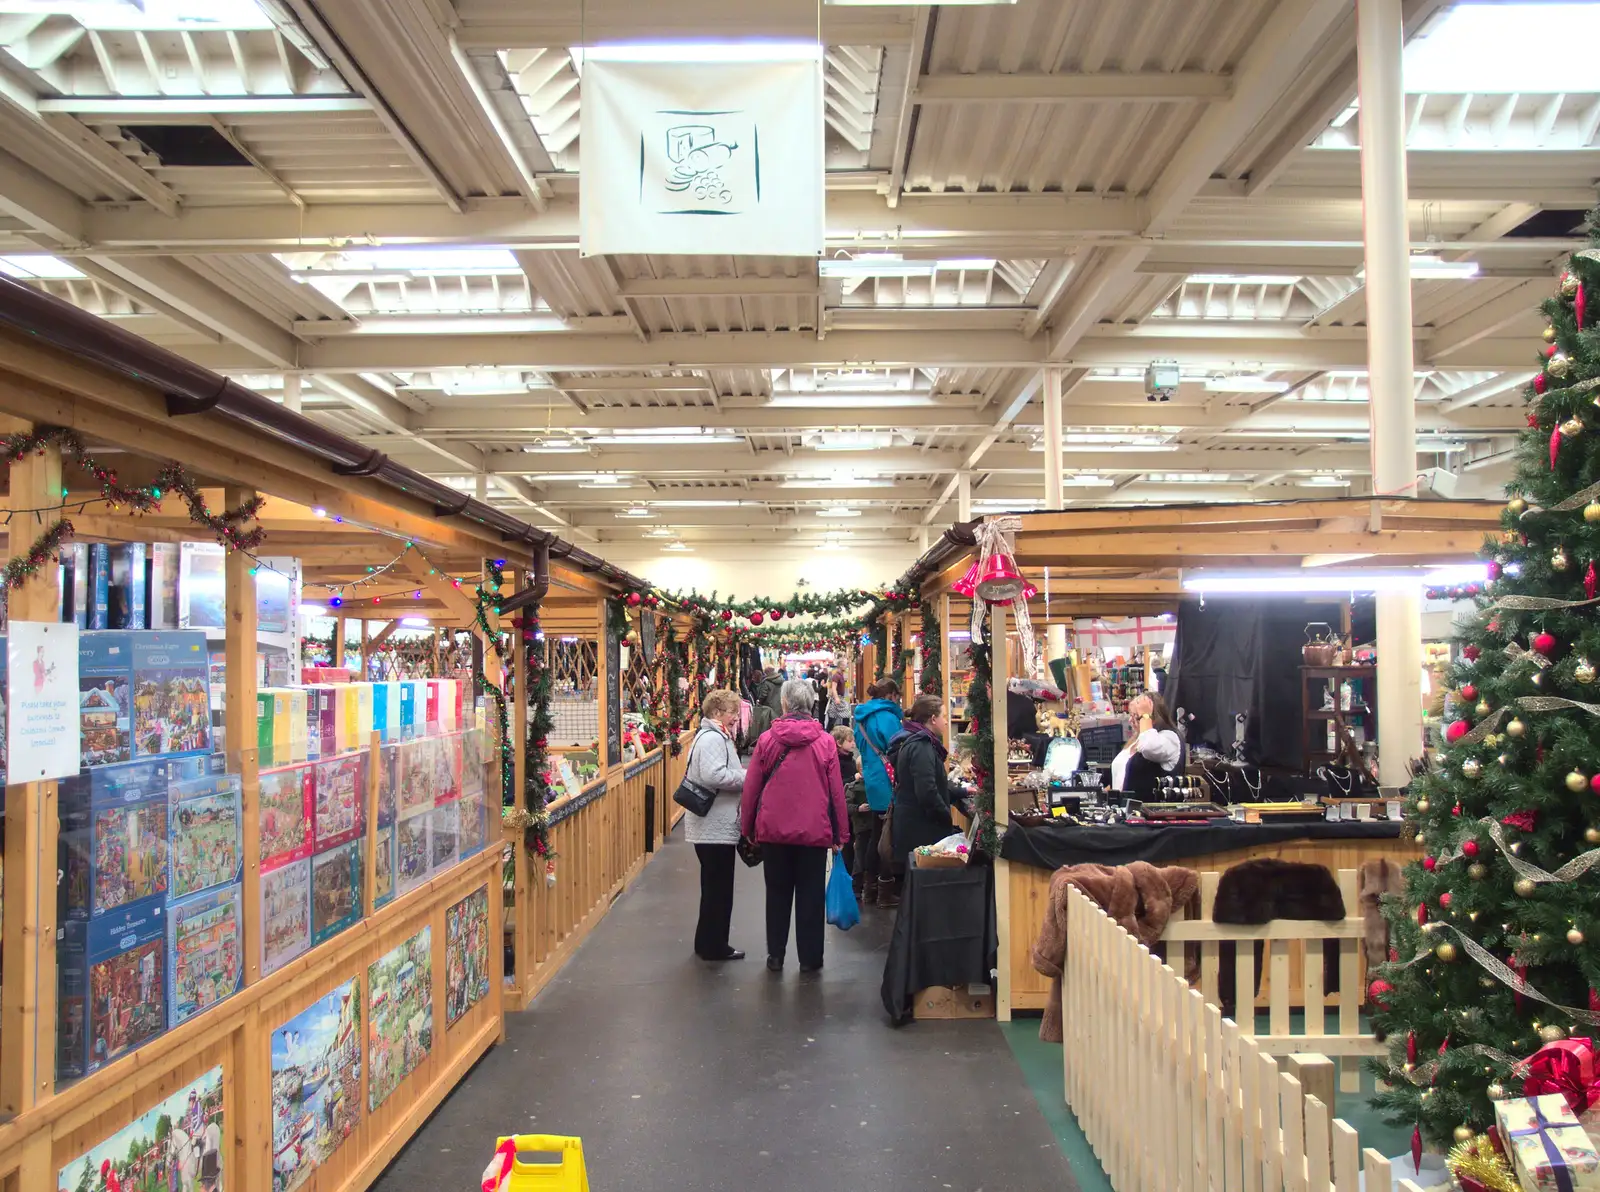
339	969
1129	562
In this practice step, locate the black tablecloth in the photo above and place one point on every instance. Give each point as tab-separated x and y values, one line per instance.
944	934
1052	845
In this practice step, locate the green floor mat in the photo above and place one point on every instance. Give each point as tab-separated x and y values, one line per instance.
1041	1066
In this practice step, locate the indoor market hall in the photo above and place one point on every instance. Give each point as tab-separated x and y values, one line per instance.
964	594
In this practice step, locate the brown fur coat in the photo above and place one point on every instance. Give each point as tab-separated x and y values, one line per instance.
1140	897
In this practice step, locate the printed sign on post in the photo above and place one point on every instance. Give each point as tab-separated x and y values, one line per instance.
42	713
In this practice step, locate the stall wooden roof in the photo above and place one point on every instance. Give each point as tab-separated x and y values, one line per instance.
1131	560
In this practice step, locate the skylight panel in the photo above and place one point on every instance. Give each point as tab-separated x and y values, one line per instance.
38	266
1479	48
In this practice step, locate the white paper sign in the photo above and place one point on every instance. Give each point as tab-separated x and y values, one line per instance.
42	703
702	158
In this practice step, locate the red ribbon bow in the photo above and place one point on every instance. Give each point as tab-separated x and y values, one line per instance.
1566	1067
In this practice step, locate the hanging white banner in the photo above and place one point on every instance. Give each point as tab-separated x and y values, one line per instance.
702	158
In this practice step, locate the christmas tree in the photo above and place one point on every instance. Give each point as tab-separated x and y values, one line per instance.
1495	945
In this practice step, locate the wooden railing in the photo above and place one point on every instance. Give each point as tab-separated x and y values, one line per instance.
599	838
1175	1098
1294	969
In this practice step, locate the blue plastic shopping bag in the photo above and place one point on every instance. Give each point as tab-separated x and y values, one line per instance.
843	912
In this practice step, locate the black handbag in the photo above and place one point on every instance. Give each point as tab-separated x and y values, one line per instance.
749	847
693	797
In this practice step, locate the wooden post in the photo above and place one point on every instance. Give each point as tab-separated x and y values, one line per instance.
1000	669
523	878
945	663
239	720
28	1018
338	642
602	679
366	651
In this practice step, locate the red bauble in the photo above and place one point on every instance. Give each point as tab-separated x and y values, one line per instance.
1471	653
1469	849
777	614
1544	643
1594	784
1539	384
727	614
1422	913
756	618
1456	810
1429	863
1457	730
1578	305
1377	991
1468	691
1550	350
1444	900
1494	625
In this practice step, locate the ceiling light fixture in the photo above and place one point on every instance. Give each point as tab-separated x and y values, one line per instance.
889	264
1241	279
675	546
636	511
838	512
1429	267
855	440
1291	583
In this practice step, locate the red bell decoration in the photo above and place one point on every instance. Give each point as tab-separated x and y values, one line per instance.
967	585
1555	446
1000	582
1578	305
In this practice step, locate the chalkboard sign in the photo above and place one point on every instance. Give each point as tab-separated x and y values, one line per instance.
614	681
647	636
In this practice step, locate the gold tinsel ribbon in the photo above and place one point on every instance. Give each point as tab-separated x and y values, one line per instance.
1571	871
1537	604
1424	1073
1478	1161
1517	656
1490	964
1483	728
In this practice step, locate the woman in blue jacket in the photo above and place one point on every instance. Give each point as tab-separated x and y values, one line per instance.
877	722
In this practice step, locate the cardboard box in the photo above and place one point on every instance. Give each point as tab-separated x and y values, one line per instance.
299	725
953	1001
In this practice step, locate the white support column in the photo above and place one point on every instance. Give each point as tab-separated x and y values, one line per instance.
291	391
1380	39
1000	673
922	540
482	492
963	496
1052	439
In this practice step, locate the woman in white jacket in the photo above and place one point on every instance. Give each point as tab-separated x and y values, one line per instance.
714	764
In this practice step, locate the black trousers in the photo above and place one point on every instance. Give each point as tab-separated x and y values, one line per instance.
796	879
716	900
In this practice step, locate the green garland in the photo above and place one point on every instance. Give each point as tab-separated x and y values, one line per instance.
980	707
677	656
617	618
880	642
932	651
902	655
536	779
819	604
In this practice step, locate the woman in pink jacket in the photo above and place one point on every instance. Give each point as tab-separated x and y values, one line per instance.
794	807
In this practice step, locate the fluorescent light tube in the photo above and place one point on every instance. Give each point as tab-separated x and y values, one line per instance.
1245	385
313	610
700	51
838	513
675	546
1280	583
636	511
414	622
1427	267
855	401
1241	279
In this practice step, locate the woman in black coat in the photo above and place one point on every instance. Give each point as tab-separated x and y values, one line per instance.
921	790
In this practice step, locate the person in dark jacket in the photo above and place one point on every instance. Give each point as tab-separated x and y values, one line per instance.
768	690
794	807
876	723
921	789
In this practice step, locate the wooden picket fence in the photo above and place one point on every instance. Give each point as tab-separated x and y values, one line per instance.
1294	964
1175	1098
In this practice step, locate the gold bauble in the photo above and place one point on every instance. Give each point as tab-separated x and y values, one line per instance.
1559	366
1574	936
1558	559
1572	427
1487	982
1569	285
1446	952
1516	848
1576	782
1462	1134
1552	1033
1525	886
1422	806
1492	740
1483	708
1591	835
1583	671
1471	768
1591	512
1503	759
1477	871
1516	728
1537	678
1550	334
1515	506
1496	1091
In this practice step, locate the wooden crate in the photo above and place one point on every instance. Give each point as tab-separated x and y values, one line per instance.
953	1002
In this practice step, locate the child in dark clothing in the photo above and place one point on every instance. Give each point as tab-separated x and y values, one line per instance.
849	771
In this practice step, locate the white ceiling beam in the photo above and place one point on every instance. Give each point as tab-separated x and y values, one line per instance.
90	146
719	287
530	496
364	395
47	207
899	159
151	109
458	416
527	178
1331	98
183	290
1107	280
1519	304
1484	390
1266	71
1073	87
1107	346
634	384
497	24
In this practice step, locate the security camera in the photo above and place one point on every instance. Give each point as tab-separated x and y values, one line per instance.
1160	380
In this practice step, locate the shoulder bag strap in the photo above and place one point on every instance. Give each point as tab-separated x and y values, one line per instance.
762	792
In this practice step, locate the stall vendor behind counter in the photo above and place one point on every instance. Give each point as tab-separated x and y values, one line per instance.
1156	751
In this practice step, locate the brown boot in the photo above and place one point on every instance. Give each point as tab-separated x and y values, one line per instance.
866	891
888	899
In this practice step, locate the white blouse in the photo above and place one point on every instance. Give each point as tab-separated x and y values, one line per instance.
1160	745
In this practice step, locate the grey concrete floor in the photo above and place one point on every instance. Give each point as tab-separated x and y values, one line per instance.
681	1075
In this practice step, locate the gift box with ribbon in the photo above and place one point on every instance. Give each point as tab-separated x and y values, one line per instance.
1549	1150
1566	1067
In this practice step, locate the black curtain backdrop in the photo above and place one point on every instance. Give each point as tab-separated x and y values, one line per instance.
1243	655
